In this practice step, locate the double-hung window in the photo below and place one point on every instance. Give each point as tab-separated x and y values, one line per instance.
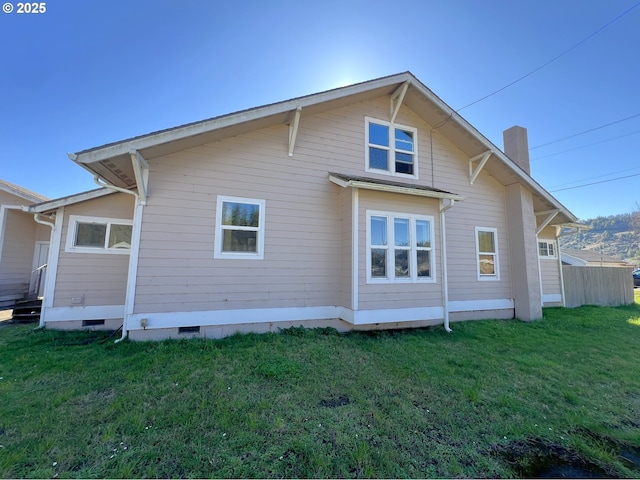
239	228
487	253
399	248
391	148
547	249
98	235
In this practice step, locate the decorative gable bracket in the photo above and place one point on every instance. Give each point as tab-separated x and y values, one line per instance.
551	214
141	171
396	100
293	129
484	158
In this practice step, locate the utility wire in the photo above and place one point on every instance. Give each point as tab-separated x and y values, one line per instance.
552	60
595	183
585	146
586	131
593	178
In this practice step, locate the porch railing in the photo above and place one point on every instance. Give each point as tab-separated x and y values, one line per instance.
37	277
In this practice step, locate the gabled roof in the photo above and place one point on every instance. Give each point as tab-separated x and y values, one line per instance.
69	200
113	163
589	257
21	192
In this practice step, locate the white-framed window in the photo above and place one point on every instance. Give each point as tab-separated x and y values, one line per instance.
391	148
399	248
547	249
98	235
239	228
487	253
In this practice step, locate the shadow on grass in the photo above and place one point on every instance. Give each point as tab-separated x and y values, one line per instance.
539	458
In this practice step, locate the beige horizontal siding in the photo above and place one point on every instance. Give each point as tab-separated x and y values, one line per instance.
345	279
100	279
398	295
307	258
16	259
550	266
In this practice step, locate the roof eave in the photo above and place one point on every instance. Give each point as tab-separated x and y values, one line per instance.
218	123
382	187
88	157
496	152
70	200
19	192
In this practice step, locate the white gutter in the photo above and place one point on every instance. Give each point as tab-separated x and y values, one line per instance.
133	254
38	219
445	282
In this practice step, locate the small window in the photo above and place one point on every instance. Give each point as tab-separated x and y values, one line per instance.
487	253
547	249
239	228
390	148
98	235
399	248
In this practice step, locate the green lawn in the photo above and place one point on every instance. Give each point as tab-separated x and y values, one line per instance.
491	399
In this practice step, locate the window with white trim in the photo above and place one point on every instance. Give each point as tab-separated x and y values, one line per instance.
239	228
98	235
547	249
487	253
399	248
391	148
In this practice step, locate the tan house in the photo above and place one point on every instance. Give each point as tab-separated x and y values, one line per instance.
370	206
24	245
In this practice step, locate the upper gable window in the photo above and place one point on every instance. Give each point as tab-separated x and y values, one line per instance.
391	148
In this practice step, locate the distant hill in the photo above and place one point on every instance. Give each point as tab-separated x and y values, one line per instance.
616	235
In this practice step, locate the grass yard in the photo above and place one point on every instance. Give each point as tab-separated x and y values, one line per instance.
491	399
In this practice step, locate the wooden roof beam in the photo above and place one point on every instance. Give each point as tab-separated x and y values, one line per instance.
396	100
484	158
293	129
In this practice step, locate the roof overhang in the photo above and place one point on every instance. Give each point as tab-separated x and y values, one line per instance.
112	162
365	183
22	193
52	205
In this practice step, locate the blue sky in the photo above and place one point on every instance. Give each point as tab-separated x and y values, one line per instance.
90	72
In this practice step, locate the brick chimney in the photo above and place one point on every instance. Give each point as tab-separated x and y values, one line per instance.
516	146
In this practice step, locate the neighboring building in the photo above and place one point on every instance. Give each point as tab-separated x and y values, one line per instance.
589	258
369	206
24	245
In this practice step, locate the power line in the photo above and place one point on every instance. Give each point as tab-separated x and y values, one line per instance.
593	178
585	146
552	60
595	183
587	131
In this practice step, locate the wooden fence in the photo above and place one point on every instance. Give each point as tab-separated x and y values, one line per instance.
605	286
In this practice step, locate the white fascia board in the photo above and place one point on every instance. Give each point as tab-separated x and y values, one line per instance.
62	202
394	189
205	126
33	198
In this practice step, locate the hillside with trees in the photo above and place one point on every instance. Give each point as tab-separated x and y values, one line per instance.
616	235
